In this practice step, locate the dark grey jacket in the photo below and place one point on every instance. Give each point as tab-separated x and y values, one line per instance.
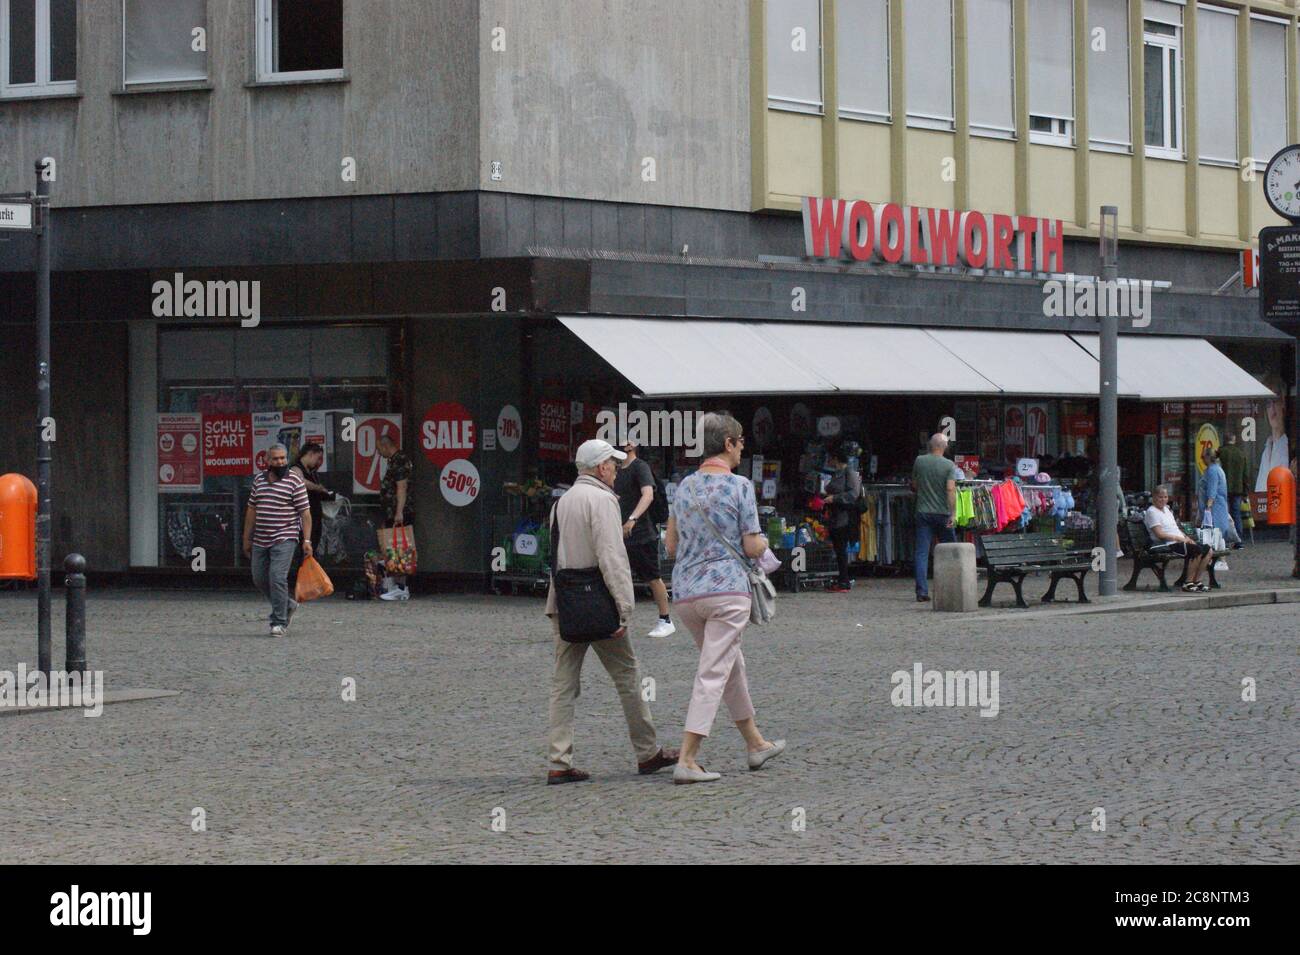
842	492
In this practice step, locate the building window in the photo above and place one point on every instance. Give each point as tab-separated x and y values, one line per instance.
158	41
299	39
1216	85
1268	83
927	26
991	66
1108	76
794	55
38	47
862	58
1161	62
1051	72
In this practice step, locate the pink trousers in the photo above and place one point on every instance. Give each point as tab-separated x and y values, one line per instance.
716	623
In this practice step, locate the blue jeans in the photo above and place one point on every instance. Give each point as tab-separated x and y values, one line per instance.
1234	511
271	576
928	527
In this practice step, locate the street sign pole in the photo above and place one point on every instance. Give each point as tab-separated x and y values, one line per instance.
1108	413
43	446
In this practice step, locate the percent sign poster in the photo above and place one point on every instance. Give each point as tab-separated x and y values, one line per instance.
368	465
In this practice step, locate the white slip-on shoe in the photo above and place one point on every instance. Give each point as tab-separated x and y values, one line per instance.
664	628
756	760
683	775
277	631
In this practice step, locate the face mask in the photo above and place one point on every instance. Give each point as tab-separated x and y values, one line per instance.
278	470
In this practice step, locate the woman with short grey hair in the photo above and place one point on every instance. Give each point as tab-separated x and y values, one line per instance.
711	591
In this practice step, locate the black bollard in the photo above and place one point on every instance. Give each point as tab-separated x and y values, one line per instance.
75	583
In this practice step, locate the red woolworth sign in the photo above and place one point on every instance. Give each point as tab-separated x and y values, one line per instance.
914	235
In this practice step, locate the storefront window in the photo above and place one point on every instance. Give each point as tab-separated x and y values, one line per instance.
226	395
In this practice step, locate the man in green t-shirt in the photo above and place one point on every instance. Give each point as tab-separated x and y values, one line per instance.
934	478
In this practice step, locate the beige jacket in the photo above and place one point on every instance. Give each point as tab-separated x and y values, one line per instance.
591	535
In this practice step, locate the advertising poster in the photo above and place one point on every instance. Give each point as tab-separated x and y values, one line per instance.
510	428
1013	432
553	430
180	453
447	433
227	445
318	427
1037	426
368	465
459	483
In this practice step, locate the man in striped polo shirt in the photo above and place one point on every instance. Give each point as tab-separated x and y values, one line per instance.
278	514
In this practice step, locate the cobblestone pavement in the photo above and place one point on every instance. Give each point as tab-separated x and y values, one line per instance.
1140	714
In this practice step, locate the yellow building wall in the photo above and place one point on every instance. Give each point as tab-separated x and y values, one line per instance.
1261	214
1110	183
992	179
1051	182
794	143
1217	201
864	160
929	154
1166	196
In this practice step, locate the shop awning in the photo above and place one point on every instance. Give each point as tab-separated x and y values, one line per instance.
686	357
1039	364
681	357
1166	368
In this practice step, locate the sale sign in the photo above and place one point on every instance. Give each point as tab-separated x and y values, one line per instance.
368	465
180	455
227	444
553	430
510	428
447	433
459	483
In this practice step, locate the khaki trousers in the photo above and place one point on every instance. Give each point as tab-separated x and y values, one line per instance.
619	659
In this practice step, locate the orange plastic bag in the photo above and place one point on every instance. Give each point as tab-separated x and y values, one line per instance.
313	582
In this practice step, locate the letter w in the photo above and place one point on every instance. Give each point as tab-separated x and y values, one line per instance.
944	225
822	227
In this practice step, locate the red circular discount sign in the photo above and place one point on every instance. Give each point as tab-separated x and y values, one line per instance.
447	433
459	483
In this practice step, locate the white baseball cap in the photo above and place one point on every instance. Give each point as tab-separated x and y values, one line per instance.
594	452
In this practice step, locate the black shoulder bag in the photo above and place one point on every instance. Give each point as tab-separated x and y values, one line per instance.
584	607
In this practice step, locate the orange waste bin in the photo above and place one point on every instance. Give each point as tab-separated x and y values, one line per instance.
17	528
1281	496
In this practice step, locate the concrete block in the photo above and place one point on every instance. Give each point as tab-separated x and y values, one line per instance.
955	588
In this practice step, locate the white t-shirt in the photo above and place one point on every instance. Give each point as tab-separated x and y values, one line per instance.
1161	517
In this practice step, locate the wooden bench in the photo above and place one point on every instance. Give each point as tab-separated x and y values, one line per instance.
1011	557
1135	541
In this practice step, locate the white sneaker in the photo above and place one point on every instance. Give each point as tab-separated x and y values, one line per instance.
397	593
664	628
277	631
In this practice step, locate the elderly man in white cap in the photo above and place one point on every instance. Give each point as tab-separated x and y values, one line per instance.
590	528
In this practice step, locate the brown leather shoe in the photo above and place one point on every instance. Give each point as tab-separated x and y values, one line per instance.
555	777
665	757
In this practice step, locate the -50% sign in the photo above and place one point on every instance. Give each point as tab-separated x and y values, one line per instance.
459	483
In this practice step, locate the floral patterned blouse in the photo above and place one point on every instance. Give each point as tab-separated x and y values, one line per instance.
704	567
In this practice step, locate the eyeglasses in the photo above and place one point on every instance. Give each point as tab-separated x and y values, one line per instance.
740	439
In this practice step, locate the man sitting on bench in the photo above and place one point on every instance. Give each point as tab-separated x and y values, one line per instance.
1166	537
